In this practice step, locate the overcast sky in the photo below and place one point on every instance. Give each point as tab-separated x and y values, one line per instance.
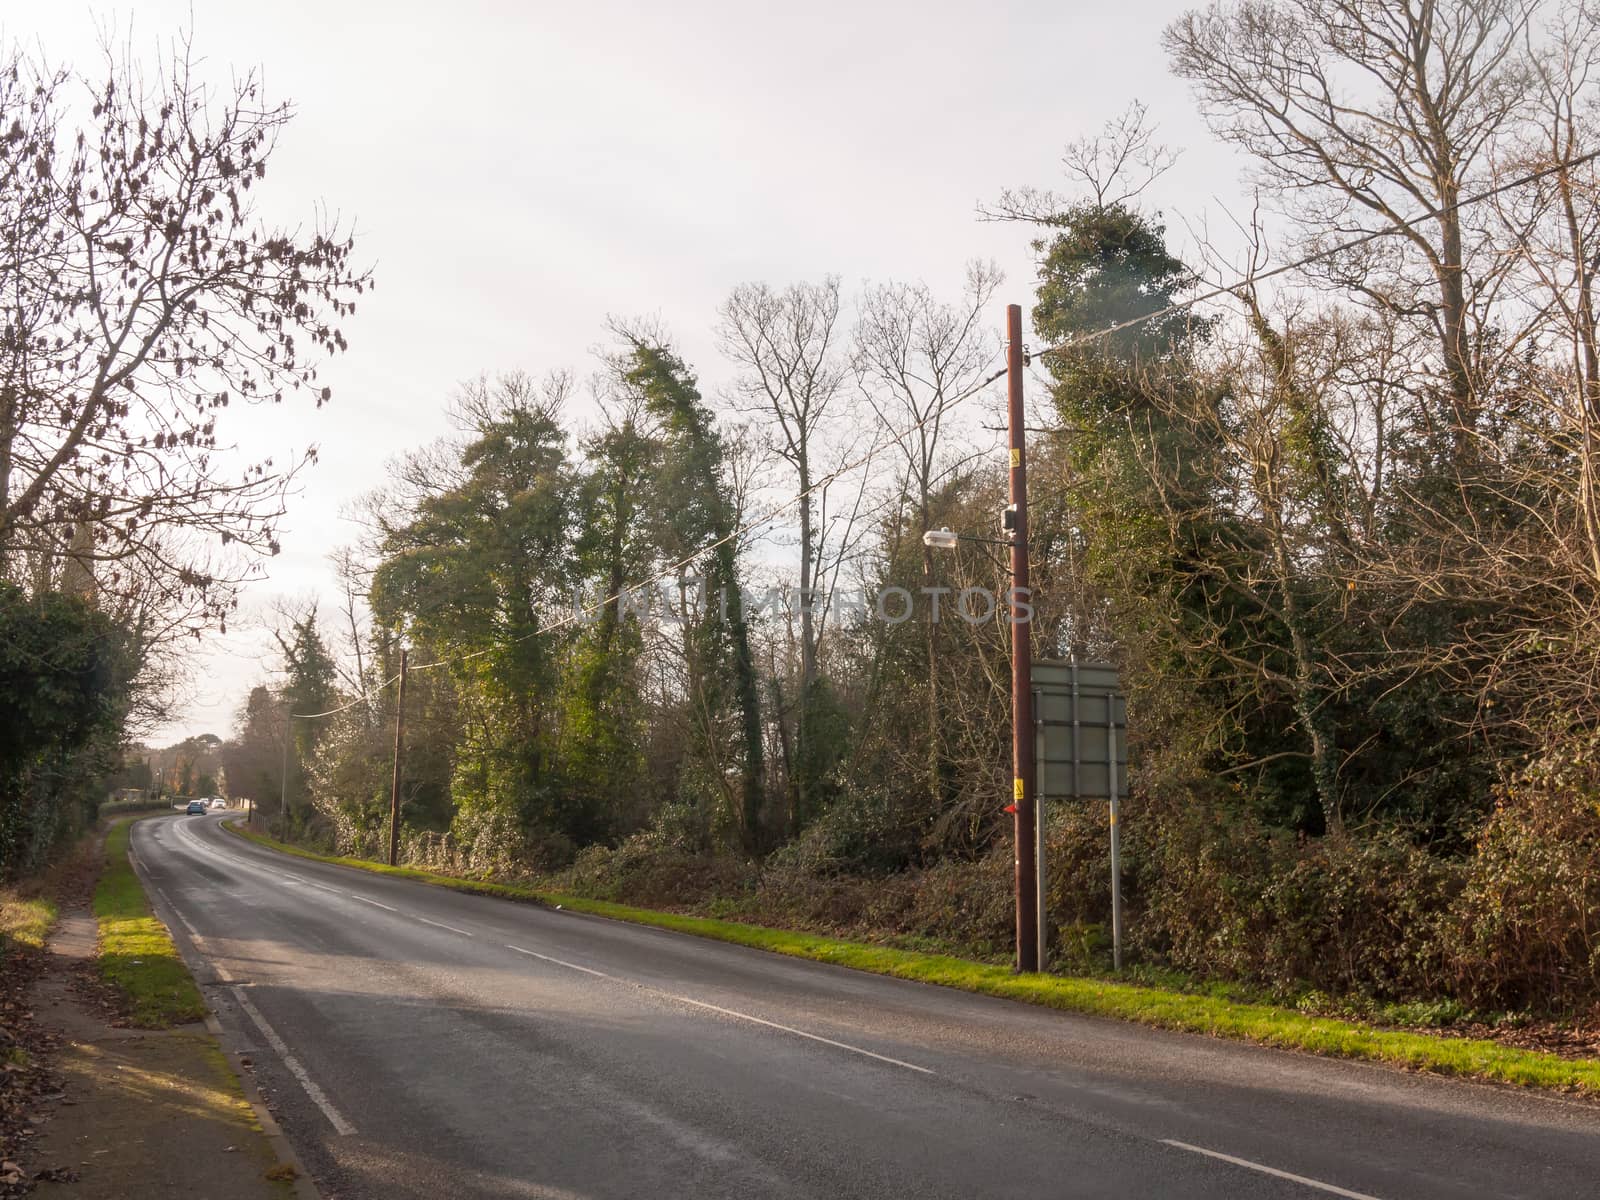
517	171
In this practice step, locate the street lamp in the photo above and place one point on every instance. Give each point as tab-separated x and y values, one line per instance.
949	539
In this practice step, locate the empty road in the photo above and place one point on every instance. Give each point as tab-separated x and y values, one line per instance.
416	1042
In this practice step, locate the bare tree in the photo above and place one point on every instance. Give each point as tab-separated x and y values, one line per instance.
1363	116
1112	168
917	356
141	297
793	373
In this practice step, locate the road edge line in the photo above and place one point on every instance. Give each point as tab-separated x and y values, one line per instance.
305	1187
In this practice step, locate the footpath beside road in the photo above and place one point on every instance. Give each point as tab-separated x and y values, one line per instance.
153	1113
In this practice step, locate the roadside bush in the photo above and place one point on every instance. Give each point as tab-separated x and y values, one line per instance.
855	836
1525	930
1356	916
647	871
1195	887
112	808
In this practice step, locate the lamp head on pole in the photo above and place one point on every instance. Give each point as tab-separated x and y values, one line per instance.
941	539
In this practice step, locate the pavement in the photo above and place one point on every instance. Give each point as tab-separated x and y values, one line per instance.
158	1115
417	1042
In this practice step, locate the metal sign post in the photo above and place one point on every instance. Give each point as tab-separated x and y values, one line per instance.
1039	828
1116	846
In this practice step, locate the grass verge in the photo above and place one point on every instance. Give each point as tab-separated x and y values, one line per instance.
1263	1024
24	921
137	956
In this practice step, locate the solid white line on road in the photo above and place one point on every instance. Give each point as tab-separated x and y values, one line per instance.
374	903
318	1096
442	925
727	1012
1273	1171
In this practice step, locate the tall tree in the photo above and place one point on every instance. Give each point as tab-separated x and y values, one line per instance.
310	689
792	376
698	511
603	722
144	296
470	569
917	356
1363	116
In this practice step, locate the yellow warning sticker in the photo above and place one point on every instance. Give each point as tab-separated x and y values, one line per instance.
1016	457
1016	789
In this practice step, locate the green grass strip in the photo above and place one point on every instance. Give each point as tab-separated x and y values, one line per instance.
1260	1023
137	956
24	922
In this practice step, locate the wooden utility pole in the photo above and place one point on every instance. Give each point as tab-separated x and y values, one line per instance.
1024	781
399	757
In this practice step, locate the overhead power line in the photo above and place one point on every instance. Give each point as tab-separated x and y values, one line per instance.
1217	293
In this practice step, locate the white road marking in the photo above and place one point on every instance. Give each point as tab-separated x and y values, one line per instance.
1265	1170
727	1012
318	1096
320	887
310	883
441	925
193	932
561	962
374	903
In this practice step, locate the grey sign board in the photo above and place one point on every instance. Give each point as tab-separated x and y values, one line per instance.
1082	717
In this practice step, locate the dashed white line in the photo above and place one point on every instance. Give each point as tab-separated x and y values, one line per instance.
173	908
561	962
318	1096
442	925
1266	1170
374	903
727	1012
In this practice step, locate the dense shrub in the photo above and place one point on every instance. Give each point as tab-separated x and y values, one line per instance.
112	808
1526	929
1212	893
646	870
1356	916
63	669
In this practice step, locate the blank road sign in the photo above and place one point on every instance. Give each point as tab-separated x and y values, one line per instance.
1079	707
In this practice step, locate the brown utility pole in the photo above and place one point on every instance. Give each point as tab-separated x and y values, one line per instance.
399	757
1024	780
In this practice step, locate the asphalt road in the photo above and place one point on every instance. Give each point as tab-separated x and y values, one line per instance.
419	1042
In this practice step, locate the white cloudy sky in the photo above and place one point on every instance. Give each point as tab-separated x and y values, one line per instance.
517	171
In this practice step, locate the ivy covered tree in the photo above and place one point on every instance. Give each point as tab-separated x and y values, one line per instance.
697	511
472	571
310	687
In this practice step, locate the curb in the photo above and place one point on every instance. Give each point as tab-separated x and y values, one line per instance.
305	1187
